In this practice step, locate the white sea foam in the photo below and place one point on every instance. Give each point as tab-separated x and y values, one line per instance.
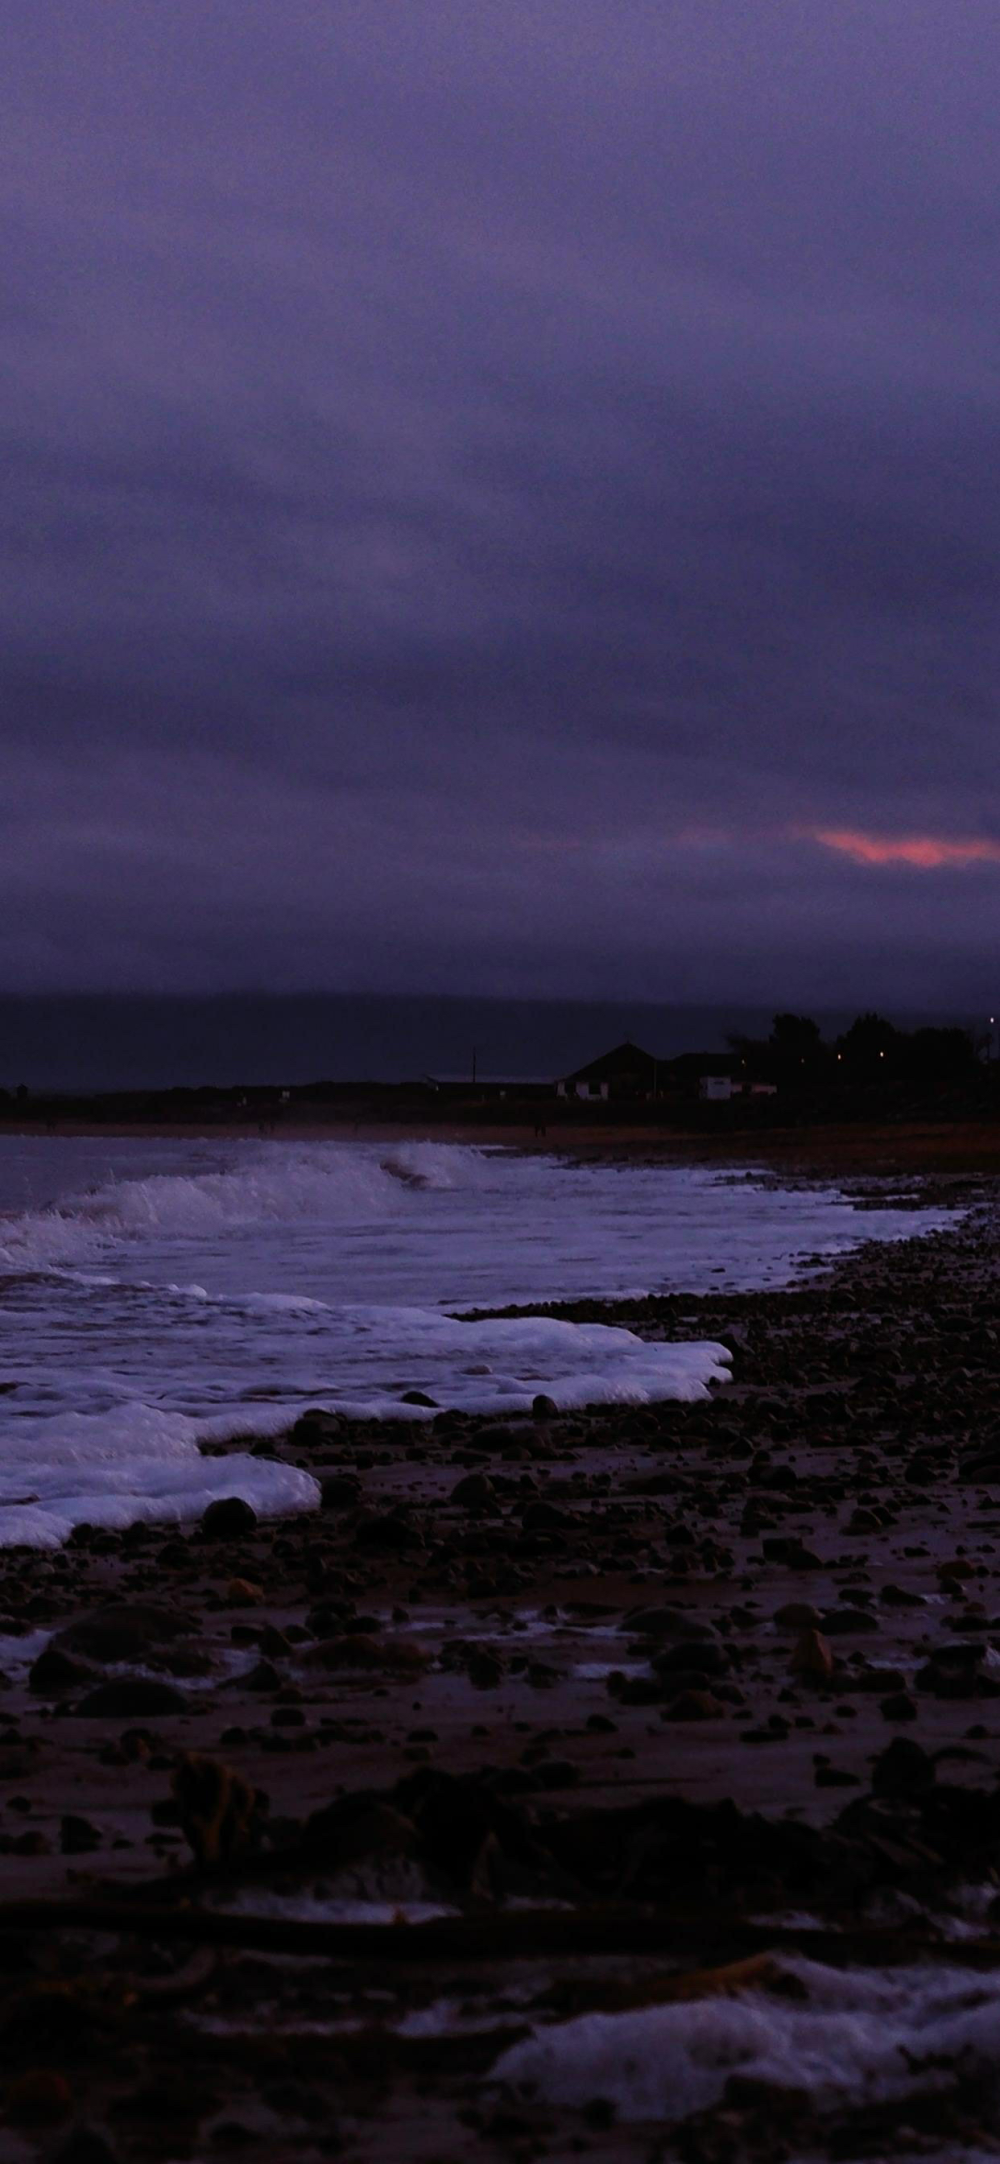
156	1293
288	1188
336	1908
134	1463
857	2034
481	1225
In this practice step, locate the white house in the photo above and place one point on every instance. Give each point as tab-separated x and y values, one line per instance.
715	1089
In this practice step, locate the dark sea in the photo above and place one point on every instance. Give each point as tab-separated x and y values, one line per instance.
162	1292
99	1042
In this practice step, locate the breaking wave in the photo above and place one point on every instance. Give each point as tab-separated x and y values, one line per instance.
258	1186
158	1295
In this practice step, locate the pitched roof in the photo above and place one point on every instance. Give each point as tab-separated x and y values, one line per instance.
624	1058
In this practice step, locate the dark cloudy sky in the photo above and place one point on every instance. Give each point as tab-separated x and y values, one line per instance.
502	495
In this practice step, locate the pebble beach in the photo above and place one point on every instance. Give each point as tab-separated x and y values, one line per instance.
612	1781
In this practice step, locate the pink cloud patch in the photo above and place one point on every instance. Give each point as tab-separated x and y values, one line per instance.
928	852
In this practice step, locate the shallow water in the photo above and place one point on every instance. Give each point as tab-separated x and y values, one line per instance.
158	1293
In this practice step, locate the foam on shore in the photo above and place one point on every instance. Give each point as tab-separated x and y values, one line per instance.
160	1294
136	1462
851	2034
132	1466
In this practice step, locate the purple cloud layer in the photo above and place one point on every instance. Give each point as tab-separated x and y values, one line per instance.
485	488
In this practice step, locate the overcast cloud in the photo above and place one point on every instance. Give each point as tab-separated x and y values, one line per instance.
501	497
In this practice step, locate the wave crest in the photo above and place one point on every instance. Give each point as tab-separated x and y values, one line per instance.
331	1183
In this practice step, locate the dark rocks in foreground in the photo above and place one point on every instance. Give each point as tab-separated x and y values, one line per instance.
708	1664
228	1519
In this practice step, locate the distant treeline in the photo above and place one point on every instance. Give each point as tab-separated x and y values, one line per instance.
871	1071
796	1055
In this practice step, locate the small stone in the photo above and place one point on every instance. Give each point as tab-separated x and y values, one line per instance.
38	2097
556	1773
215	1807
799	1557
475	1492
262	1677
798	1615
788	1549
124	1632
902	1769
316	1426
77	1837
132	1698
340	1491
54	1672
386	1530
635	1690
670	1623
813	1657
898	1706
952	1573
703	1655
693	1706
357	1649
542	1517
951	1672
485	1670
228	1518
86	2145
848	1622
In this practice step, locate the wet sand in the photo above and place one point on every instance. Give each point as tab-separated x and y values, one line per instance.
609	1699
826	1149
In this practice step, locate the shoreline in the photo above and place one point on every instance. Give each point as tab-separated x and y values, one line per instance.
467	1608
961	1147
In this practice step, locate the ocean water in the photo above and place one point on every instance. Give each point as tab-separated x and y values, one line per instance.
158	1294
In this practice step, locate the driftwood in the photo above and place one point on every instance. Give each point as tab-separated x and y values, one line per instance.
495	1935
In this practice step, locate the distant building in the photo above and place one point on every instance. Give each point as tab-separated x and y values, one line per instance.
627	1071
630	1072
492	1086
693	1071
